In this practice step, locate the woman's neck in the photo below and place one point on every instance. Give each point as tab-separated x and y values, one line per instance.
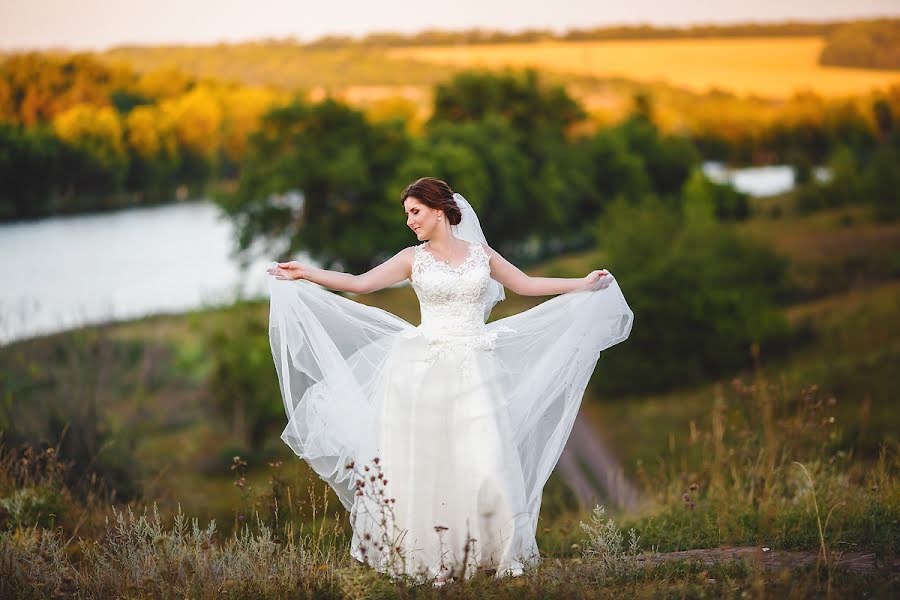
444	244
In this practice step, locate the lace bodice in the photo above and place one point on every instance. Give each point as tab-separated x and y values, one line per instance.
451	298
452	301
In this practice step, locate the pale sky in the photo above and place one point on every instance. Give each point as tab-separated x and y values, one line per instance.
99	24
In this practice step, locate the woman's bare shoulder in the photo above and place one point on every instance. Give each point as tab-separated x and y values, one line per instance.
491	253
408	254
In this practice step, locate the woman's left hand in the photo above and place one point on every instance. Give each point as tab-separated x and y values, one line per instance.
597	280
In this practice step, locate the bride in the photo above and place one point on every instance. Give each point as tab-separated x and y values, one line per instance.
438	438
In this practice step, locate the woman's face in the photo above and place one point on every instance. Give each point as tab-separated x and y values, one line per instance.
420	218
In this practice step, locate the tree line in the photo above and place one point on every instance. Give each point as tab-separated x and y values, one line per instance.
436	36
864	44
79	134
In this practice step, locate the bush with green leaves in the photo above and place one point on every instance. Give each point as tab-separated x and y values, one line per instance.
702	296
242	379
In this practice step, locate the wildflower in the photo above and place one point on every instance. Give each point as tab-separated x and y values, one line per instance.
376	460
350	465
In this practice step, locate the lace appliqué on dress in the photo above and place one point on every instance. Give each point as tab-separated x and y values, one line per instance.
452	301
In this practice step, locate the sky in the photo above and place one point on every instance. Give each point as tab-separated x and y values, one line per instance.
100	24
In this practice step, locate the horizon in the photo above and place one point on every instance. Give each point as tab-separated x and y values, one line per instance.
93	27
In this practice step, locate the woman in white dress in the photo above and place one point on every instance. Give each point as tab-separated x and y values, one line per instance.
438	438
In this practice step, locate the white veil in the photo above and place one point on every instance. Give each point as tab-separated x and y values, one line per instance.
469	230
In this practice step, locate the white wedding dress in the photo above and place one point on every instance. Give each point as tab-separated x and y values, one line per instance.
452	426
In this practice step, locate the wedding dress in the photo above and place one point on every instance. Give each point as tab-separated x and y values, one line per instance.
438	438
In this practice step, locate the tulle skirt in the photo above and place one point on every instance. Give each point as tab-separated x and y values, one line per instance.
437	442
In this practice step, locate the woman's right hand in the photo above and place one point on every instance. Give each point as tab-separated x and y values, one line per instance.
289	270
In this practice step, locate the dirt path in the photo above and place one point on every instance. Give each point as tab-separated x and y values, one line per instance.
860	562
592	470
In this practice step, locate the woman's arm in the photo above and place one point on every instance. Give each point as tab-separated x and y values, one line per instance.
392	271
518	282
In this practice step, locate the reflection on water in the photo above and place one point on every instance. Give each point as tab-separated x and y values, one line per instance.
63	272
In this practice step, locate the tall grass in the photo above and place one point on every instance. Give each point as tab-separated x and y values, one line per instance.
737	482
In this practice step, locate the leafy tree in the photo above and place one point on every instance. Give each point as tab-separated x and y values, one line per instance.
534	111
697	202
482	160
704	200
881	181
668	159
29	160
612	171
531	195
41	86
701	295
97	135
843	186
341	164
153	144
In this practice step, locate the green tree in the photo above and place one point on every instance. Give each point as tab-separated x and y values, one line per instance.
698	204
531	196
668	159
881	182
481	160
701	297
342	165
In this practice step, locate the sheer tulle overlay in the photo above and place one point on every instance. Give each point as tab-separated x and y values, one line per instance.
459	423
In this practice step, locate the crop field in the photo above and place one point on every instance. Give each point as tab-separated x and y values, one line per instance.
769	67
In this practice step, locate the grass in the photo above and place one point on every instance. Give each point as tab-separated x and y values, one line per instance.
767	472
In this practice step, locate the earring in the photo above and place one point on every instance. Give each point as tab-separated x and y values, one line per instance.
439	218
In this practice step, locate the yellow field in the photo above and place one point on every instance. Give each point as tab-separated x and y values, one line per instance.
771	67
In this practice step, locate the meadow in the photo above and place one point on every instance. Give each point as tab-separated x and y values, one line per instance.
776	481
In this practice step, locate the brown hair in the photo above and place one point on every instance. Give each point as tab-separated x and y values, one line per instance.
434	193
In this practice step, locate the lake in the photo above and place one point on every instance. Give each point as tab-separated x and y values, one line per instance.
63	272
